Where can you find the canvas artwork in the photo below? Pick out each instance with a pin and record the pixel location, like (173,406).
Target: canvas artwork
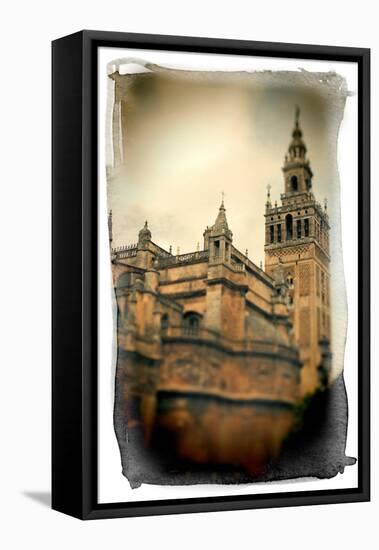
(229,303)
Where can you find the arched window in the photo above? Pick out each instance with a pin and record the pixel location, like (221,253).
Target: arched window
(298,229)
(306,227)
(191,323)
(164,322)
(294,183)
(217,248)
(271,233)
(290,281)
(289,227)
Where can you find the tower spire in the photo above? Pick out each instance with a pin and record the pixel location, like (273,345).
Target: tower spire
(297,116)
(297,171)
(221,224)
(297,148)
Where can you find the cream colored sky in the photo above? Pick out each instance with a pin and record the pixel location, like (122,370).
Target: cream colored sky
(188,138)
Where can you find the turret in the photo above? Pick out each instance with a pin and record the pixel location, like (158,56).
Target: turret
(145,253)
(219,238)
(144,236)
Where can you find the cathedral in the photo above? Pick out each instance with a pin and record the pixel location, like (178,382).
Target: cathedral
(213,351)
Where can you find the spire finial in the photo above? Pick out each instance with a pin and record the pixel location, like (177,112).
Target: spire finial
(268,201)
(145,223)
(297,115)
(222,199)
(110,225)
(325,204)
(297,148)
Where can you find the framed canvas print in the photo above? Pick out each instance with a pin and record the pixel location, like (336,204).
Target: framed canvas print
(210,275)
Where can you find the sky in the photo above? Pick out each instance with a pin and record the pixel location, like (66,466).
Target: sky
(186,140)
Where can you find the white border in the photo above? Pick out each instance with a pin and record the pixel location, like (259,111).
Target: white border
(112,485)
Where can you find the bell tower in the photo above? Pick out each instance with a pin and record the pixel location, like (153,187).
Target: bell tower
(297,236)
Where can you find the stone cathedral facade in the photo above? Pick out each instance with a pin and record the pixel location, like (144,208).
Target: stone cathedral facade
(213,351)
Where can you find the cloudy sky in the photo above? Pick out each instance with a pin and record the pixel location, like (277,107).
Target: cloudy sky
(187,139)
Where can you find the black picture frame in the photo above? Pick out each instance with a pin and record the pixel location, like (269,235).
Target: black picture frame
(74,273)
